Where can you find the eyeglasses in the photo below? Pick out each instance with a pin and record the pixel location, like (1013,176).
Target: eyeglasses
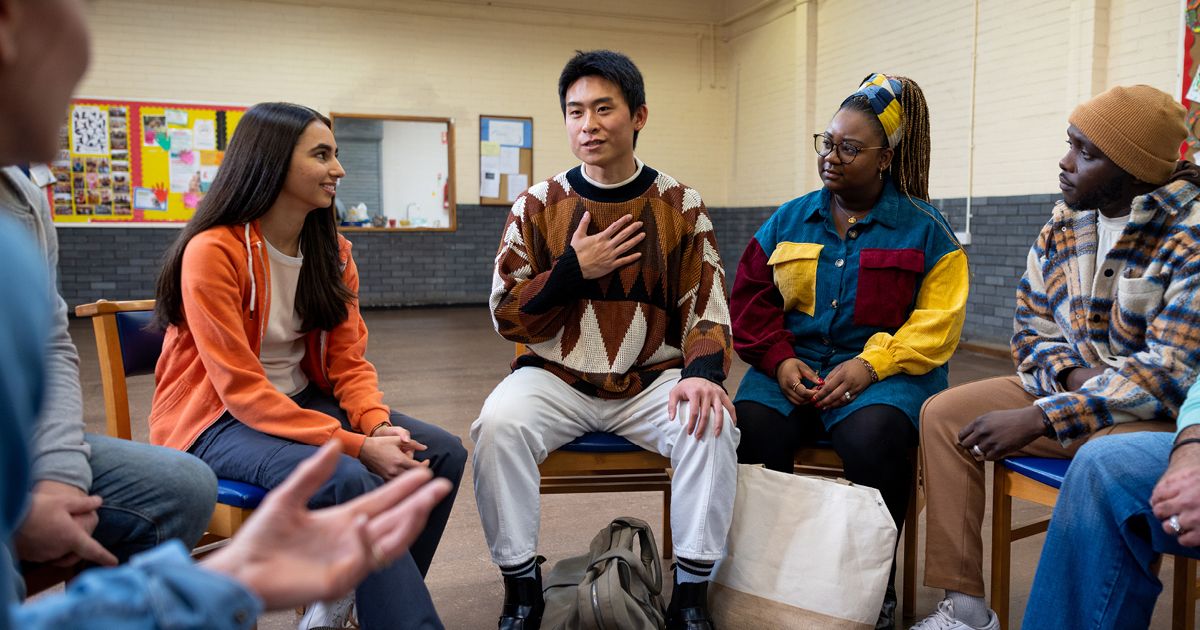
(846,151)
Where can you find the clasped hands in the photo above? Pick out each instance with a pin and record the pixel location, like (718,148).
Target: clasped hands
(389,451)
(845,382)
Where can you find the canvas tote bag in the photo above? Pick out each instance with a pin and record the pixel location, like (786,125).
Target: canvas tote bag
(803,552)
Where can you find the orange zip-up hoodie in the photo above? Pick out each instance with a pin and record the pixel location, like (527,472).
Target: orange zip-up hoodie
(210,363)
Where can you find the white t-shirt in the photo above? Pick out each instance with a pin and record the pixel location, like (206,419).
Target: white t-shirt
(283,343)
(1108,231)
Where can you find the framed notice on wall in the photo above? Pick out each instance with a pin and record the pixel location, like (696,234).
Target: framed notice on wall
(135,162)
(505,158)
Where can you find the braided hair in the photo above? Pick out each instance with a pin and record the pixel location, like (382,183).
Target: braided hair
(910,162)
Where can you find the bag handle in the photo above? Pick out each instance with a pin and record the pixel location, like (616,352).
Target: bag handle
(619,536)
(649,549)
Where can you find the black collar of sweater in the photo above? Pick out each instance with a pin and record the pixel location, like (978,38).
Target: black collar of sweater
(632,190)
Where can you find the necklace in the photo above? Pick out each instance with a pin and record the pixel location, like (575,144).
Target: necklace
(851,219)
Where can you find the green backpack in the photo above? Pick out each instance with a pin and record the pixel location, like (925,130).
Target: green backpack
(610,587)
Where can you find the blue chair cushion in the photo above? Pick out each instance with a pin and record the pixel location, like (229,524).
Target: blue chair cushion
(238,494)
(141,343)
(1041,469)
(601,443)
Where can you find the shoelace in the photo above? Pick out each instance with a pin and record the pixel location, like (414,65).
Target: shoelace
(942,618)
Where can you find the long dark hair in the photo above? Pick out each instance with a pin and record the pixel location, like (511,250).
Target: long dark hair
(250,178)
(910,164)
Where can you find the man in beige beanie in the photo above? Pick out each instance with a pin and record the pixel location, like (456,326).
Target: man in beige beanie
(1107,331)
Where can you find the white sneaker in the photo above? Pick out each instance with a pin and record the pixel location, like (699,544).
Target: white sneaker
(943,619)
(324,615)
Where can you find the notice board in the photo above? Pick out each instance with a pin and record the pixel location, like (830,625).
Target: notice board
(128,162)
(505,158)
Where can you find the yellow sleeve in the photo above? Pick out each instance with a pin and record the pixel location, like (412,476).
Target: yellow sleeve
(932,331)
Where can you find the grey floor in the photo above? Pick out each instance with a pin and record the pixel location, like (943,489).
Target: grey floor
(439,364)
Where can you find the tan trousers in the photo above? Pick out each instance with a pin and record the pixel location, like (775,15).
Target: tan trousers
(955,493)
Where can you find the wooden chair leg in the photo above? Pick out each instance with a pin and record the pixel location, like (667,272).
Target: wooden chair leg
(1183,601)
(1001,543)
(668,545)
(910,556)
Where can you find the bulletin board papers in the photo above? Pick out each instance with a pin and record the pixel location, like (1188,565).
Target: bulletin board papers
(137,162)
(505,158)
(517,184)
(505,132)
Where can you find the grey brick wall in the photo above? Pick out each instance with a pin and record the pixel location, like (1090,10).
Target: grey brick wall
(427,268)
(1002,230)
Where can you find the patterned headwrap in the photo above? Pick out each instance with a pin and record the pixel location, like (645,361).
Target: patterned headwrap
(884,93)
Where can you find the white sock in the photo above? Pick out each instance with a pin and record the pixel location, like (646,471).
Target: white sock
(526,569)
(969,609)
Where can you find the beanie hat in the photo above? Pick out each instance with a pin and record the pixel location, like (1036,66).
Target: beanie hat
(1138,127)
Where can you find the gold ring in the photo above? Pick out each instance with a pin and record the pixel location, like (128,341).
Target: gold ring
(796,385)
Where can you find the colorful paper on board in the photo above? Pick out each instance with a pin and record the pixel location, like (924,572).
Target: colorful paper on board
(177,117)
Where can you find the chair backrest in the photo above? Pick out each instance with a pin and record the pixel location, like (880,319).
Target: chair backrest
(126,345)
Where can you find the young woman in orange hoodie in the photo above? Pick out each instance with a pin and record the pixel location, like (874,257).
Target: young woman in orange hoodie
(263,359)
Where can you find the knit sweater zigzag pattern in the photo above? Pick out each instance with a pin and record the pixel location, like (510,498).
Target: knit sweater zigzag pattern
(611,336)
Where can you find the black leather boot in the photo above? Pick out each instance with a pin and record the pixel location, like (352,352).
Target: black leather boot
(689,607)
(523,603)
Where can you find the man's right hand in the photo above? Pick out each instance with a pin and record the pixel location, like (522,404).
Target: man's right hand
(390,455)
(58,528)
(792,374)
(601,253)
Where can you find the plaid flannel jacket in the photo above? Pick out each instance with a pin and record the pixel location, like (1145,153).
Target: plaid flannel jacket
(1138,314)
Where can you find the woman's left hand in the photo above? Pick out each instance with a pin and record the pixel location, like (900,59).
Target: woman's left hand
(849,377)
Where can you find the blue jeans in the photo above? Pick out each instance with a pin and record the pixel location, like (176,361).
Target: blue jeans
(151,494)
(1096,569)
(394,597)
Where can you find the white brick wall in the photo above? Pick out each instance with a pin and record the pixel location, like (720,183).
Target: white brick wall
(733,121)
(763,105)
(413,58)
(1036,60)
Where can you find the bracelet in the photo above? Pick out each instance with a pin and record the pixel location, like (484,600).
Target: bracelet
(870,368)
(1191,440)
(385,423)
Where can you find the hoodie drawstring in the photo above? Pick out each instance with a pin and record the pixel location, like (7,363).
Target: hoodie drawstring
(250,265)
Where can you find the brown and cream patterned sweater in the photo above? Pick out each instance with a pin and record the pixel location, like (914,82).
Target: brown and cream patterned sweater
(612,336)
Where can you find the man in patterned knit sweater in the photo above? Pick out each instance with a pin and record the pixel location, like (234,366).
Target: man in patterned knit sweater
(609,273)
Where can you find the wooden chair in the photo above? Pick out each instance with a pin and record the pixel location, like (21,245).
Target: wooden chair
(1038,479)
(604,462)
(821,459)
(127,346)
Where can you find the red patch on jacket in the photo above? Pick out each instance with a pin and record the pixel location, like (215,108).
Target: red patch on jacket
(887,282)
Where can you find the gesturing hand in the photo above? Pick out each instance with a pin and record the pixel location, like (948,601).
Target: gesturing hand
(792,374)
(289,555)
(601,253)
(58,527)
(703,397)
